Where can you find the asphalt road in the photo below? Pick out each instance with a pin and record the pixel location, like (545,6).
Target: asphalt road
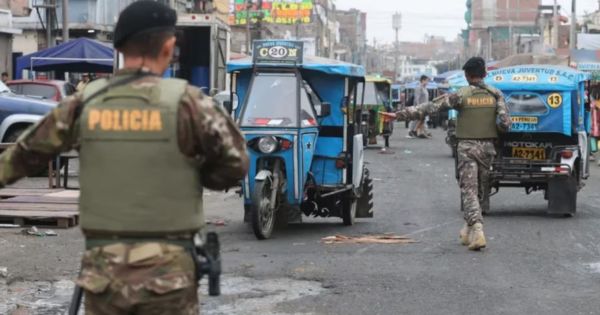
(534,263)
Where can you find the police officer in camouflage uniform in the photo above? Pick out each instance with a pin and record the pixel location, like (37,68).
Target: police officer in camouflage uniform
(147,148)
(482,115)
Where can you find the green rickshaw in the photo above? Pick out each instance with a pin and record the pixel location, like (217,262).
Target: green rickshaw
(377,102)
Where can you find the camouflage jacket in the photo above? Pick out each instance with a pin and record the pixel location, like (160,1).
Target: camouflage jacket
(205,133)
(454,101)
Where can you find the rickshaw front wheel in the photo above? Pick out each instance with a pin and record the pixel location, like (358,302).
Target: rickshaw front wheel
(349,206)
(263,217)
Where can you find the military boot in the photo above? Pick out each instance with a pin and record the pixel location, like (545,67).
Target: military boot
(477,238)
(465,234)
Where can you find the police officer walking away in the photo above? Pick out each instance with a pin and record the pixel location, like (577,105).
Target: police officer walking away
(482,114)
(147,147)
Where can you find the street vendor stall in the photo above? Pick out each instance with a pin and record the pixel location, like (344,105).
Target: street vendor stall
(78,55)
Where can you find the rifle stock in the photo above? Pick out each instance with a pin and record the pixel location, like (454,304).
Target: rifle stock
(75,300)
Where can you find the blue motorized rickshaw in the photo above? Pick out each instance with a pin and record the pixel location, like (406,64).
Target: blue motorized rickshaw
(547,148)
(306,152)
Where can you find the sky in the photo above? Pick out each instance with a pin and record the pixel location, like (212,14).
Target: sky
(428,17)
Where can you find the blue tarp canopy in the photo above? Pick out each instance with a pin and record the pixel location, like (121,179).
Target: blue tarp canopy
(440,78)
(324,65)
(78,55)
(413,85)
(529,77)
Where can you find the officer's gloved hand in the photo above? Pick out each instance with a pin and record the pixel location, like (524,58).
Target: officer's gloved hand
(453,99)
(401,115)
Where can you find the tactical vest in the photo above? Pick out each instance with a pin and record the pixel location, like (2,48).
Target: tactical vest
(477,116)
(134,179)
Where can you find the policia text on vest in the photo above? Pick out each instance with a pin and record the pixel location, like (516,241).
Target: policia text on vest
(125,120)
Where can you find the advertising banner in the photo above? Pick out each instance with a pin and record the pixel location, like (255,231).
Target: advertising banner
(272,11)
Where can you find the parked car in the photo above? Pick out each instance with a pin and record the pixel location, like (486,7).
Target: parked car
(17,113)
(54,90)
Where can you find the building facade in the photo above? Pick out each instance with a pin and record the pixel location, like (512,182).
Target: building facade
(311,21)
(8,10)
(496,25)
(353,36)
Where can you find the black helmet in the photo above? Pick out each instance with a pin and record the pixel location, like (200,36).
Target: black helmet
(141,17)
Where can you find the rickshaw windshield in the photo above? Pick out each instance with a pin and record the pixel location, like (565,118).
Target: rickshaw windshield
(376,93)
(272,101)
(383,90)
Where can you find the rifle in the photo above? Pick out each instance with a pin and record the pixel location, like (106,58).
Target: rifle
(75,300)
(211,266)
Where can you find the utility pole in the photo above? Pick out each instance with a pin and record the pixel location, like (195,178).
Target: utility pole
(50,14)
(248,35)
(65,20)
(260,16)
(573,33)
(396,24)
(556,26)
(510,28)
(298,21)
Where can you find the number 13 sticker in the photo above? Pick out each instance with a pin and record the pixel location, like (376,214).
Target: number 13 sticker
(555,100)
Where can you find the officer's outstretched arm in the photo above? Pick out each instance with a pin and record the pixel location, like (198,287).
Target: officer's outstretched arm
(54,134)
(214,140)
(419,111)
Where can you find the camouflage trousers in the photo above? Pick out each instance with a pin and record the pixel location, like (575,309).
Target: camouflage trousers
(474,161)
(142,278)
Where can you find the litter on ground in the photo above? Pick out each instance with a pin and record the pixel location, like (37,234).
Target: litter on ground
(368,239)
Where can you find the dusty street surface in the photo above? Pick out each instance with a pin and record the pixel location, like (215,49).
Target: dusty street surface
(534,264)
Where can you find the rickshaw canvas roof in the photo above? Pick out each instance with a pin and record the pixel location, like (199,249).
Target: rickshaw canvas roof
(529,77)
(324,65)
(377,79)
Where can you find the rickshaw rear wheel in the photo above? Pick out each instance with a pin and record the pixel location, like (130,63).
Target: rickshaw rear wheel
(263,218)
(349,206)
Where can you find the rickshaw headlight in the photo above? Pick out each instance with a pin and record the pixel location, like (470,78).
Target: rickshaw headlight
(267,145)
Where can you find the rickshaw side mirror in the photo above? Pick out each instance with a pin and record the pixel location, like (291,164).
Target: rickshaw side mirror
(324,110)
(228,106)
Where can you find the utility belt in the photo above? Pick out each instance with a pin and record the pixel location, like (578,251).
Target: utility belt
(206,255)
(90,243)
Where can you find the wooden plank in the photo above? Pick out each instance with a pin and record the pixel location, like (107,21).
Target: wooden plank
(40,199)
(64,194)
(50,207)
(39,219)
(13,192)
(37,214)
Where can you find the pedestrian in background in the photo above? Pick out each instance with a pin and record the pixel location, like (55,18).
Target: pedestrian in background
(421,96)
(147,147)
(85,79)
(595,113)
(4,77)
(482,113)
